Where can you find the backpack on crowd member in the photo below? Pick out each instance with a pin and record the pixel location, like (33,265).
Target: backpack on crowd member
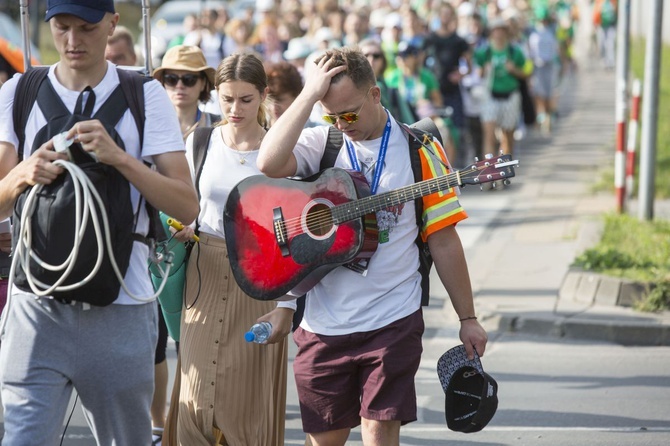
(608,14)
(527,102)
(53,228)
(416,133)
(172,297)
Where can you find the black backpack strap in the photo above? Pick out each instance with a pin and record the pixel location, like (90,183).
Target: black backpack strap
(132,84)
(427,125)
(201,138)
(425,259)
(50,103)
(24,98)
(113,109)
(333,146)
(417,132)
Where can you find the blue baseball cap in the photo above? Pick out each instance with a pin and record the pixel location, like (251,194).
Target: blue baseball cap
(91,11)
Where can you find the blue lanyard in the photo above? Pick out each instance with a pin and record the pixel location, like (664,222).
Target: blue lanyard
(380,159)
(198,115)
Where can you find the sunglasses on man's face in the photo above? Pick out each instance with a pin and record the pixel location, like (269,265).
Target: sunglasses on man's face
(189,80)
(349,117)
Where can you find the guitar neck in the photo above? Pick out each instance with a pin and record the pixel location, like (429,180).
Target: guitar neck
(373,203)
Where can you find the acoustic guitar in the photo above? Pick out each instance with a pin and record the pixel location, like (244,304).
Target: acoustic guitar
(284,235)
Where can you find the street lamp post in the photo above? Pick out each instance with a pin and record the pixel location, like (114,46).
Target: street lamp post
(650,113)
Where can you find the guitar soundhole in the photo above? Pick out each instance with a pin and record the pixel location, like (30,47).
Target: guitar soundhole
(319,220)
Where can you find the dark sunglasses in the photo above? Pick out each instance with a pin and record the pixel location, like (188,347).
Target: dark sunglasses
(375,55)
(349,117)
(189,80)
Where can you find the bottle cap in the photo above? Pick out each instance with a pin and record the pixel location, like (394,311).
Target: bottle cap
(249,336)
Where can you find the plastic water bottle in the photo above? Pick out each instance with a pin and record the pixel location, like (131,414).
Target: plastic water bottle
(259,333)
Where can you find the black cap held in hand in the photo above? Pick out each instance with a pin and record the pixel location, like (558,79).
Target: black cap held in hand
(471,395)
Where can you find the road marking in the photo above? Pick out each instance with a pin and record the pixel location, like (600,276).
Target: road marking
(428,428)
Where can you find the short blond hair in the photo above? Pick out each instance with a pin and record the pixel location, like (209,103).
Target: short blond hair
(122,34)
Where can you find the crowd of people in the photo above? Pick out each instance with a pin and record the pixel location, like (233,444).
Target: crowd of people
(428,50)
(261,94)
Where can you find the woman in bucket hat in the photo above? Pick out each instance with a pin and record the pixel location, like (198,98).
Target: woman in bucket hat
(188,81)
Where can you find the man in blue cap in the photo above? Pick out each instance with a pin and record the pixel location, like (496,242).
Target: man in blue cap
(52,345)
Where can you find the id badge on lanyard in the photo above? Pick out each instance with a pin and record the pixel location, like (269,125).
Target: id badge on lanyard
(361,265)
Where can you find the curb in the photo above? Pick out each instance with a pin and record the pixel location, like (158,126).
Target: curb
(590,288)
(626,329)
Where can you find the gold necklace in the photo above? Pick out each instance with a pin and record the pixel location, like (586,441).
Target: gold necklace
(243,154)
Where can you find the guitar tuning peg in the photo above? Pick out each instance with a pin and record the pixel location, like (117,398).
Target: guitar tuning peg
(476,159)
(488,156)
(507,182)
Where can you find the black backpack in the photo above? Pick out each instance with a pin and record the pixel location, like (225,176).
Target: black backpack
(53,227)
(416,132)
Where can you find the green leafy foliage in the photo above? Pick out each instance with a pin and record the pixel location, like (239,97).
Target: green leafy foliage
(635,250)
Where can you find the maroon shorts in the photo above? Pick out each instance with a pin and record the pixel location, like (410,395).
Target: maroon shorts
(371,375)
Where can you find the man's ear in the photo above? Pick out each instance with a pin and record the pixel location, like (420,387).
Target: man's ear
(113,22)
(376,94)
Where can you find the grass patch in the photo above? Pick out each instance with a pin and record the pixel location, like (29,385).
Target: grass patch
(635,250)
(630,248)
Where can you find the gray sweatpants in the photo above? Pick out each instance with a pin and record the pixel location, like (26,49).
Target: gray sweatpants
(105,353)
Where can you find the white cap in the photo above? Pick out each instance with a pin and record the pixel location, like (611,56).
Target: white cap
(265,5)
(466,9)
(298,48)
(323,34)
(393,20)
(378,18)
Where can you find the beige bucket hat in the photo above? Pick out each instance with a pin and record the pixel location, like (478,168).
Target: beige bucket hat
(187,58)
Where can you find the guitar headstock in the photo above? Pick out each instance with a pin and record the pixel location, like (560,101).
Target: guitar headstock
(493,168)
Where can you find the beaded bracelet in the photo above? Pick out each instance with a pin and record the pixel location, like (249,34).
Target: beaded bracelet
(468,318)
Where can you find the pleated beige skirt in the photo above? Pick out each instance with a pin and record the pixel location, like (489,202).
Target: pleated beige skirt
(224,383)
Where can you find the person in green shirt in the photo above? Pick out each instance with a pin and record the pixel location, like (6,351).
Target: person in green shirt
(418,86)
(501,66)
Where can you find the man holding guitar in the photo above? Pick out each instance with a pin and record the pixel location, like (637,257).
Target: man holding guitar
(359,344)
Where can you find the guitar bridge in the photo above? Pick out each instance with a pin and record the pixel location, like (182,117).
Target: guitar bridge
(280,231)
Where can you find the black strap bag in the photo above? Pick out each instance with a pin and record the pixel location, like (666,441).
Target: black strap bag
(54,228)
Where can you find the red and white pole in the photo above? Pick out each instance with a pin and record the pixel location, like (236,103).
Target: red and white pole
(620,158)
(633,125)
(621,95)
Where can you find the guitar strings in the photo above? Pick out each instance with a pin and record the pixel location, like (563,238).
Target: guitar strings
(321,220)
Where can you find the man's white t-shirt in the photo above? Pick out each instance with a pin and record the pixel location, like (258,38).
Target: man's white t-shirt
(345,301)
(161,135)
